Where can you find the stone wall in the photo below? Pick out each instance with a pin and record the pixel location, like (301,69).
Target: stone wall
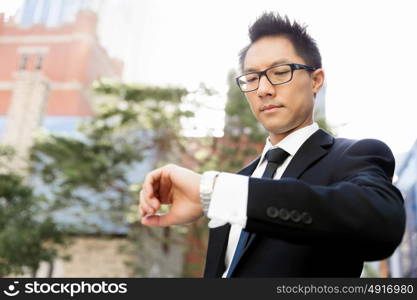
(112,256)
(92,257)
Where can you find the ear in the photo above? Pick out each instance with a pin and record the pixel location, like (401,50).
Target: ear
(318,80)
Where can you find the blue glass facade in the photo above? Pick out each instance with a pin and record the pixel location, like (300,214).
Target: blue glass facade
(404,261)
(52,12)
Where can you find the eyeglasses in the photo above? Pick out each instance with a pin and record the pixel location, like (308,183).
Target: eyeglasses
(276,75)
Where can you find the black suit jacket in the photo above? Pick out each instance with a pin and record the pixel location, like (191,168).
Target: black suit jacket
(334,208)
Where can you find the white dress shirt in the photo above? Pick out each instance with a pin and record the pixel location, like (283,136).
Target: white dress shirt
(230,194)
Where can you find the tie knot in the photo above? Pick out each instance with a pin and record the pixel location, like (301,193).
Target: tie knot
(276,155)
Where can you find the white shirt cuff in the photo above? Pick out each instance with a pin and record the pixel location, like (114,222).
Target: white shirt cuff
(229,200)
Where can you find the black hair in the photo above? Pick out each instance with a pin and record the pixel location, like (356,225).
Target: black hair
(270,24)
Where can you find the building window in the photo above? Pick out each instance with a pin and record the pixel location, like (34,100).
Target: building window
(23,62)
(39,61)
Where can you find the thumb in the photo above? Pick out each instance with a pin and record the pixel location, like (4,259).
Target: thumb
(159,220)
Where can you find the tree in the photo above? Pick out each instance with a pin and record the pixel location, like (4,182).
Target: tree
(142,123)
(27,235)
(243,135)
(136,128)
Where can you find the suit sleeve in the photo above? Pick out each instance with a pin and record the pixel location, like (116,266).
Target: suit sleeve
(360,209)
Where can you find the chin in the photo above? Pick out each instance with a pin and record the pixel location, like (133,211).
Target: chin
(277,128)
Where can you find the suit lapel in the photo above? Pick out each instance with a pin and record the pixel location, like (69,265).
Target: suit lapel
(218,237)
(313,149)
(216,251)
(250,168)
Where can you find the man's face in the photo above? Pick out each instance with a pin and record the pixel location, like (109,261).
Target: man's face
(293,101)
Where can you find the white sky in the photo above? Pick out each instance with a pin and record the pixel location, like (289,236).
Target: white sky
(369,51)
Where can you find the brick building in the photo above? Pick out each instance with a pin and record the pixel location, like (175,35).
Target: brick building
(47,72)
(70,58)
(45,81)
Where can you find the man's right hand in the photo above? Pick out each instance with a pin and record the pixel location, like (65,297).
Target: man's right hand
(173,185)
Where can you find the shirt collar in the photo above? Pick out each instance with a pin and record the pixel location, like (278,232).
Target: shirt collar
(292,142)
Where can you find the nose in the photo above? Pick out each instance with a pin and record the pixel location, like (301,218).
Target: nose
(265,88)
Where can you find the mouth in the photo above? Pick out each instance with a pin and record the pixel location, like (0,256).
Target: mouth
(270,108)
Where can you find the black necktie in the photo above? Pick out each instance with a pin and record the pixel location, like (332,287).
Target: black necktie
(275,158)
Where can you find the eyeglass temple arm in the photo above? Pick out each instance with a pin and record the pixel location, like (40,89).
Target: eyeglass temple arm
(301,67)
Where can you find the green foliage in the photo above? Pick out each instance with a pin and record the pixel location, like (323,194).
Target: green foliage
(27,235)
(67,165)
(324,125)
(240,119)
(139,93)
(115,140)
(242,134)
(99,172)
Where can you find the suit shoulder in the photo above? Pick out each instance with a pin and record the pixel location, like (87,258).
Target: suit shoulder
(374,146)
(369,152)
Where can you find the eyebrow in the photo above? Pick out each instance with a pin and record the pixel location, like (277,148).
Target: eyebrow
(275,63)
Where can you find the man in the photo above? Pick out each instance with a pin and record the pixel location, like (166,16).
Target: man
(311,205)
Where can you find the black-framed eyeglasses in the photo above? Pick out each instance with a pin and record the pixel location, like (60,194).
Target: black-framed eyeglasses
(276,75)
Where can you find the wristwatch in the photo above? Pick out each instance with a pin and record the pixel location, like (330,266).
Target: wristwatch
(206,188)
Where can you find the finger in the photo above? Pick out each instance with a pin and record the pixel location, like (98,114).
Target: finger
(147,209)
(151,201)
(151,183)
(165,188)
(141,212)
(154,203)
(145,204)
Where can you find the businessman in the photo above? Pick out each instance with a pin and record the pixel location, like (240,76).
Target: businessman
(310,205)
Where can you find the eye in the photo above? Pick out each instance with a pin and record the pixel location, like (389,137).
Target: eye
(251,78)
(279,73)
